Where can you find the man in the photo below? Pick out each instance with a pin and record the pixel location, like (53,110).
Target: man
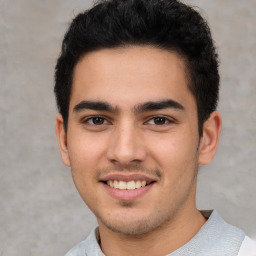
(137,89)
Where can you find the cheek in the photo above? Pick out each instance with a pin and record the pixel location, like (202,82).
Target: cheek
(177,158)
(83,159)
(84,156)
(173,149)
(85,150)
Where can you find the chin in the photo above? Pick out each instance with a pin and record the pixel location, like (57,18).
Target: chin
(133,227)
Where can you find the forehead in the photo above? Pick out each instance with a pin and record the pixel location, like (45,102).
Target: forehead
(130,75)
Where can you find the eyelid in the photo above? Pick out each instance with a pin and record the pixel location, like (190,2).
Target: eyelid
(107,120)
(168,119)
(88,118)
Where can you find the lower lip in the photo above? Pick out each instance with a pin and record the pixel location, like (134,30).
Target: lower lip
(126,194)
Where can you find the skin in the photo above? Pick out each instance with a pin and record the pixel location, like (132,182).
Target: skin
(128,138)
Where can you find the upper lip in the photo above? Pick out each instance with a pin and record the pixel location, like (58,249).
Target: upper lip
(128,177)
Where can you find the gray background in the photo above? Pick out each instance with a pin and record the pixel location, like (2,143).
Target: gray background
(41,213)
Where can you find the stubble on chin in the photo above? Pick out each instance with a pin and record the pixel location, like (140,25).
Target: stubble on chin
(126,204)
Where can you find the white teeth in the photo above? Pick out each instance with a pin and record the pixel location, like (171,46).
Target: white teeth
(116,184)
(111,183)
(143,183)
(138,184)
(130,185)
(122,184)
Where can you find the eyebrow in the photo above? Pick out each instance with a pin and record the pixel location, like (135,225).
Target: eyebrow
(144,107)
(158,105)
(94,105)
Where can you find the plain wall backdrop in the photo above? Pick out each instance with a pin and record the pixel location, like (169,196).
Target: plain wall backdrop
(41,212)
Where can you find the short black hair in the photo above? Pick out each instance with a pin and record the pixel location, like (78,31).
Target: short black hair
(166,24)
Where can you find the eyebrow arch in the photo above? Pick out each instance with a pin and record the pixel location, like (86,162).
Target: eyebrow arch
(94,105)
(158,105)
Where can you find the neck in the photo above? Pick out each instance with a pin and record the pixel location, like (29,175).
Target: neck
(162,241)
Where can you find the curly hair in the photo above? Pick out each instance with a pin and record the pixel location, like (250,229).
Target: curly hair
(166,24)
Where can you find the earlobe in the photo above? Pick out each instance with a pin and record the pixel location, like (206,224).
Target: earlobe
(62,139)
(210,138)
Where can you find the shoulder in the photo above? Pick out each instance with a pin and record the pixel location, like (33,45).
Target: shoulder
(248,247)
(87,247)
(215,238)
(229,239)
(77,250)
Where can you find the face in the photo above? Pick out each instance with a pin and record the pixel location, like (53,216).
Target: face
(132,140)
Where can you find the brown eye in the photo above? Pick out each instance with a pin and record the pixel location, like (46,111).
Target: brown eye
(98,120)
(159,120)
(95,121)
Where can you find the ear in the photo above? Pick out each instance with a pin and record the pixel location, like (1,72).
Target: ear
(62,139)
(210,138)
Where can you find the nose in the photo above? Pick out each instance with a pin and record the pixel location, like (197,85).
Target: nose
(126,146)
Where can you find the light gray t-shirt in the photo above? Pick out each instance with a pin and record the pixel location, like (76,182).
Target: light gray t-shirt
(215,238)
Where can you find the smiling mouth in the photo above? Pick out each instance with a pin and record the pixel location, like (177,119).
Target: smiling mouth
(127,187)
(130,185)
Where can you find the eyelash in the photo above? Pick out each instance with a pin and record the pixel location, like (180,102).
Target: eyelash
(164,119)
(161,118)
(92,118)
